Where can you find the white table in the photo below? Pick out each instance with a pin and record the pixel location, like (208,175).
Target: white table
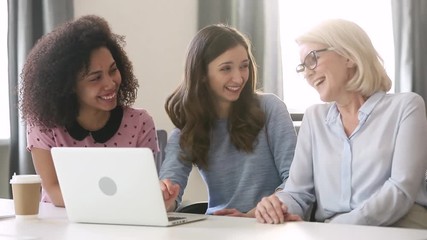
(52,223)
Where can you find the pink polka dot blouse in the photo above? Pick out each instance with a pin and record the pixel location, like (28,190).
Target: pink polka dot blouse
(127,127)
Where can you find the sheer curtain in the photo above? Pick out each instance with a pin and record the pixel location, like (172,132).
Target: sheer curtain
(28,21)
(410,34)
(258,19)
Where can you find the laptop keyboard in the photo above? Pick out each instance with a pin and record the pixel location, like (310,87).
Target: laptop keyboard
(175,218)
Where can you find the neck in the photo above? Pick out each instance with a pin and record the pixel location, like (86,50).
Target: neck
(223,109)
(93,121)
(349,111)
(351,104)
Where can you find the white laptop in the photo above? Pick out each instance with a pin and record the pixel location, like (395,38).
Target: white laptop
(113,186)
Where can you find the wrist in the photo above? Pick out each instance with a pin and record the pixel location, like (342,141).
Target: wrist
(251,213)
(172,207)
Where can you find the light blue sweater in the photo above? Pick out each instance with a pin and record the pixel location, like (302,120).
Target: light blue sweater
(236,179)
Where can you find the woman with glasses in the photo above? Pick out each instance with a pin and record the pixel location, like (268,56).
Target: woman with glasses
(242,141)
(361,157)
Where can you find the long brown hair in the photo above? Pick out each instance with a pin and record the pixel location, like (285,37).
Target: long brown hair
(190,106)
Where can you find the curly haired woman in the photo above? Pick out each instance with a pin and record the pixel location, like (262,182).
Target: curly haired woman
(76,91)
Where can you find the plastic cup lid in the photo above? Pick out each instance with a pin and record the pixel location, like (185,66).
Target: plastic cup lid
(27,178)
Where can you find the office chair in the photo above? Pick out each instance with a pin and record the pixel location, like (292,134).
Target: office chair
(162,138)
(296,119)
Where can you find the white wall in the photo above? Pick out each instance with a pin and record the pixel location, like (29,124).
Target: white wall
(157,35)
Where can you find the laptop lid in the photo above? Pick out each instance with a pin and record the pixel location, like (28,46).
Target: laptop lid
(112,186)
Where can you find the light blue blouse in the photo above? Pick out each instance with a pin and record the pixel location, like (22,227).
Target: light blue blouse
(372,177)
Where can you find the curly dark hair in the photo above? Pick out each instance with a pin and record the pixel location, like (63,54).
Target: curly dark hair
(190,106)
(49,77)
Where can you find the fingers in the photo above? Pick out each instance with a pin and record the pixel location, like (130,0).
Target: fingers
(169,189)
(170,193)
(169,185)
(163,187)
(174,191)
(292,217)
(270,210)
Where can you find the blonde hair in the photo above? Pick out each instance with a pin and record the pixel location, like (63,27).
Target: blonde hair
(351,41)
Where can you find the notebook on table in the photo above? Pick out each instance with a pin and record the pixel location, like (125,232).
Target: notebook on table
(113,186)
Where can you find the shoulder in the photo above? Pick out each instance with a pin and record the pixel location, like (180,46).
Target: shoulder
(138,118)
(275,110)
(320,107)
(174,137)
(266,98)
(318,110)
(407,98)
(270,102)
(403,103)
(138,113)
(38,130)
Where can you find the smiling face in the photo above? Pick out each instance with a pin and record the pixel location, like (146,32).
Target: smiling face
(97,90)
(331,75)
(227,75)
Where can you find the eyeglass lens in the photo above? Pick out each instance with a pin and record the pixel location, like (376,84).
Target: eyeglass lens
(310,60)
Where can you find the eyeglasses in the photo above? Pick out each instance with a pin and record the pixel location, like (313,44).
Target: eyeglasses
(310,61)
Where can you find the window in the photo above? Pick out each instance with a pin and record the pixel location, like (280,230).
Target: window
(4,83)
(296,16)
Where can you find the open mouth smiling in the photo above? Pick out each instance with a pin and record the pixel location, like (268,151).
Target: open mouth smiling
(318,81)
(108,97)
(233,88)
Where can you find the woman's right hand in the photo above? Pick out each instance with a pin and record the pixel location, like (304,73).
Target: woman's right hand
(271,210)
(170,192)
